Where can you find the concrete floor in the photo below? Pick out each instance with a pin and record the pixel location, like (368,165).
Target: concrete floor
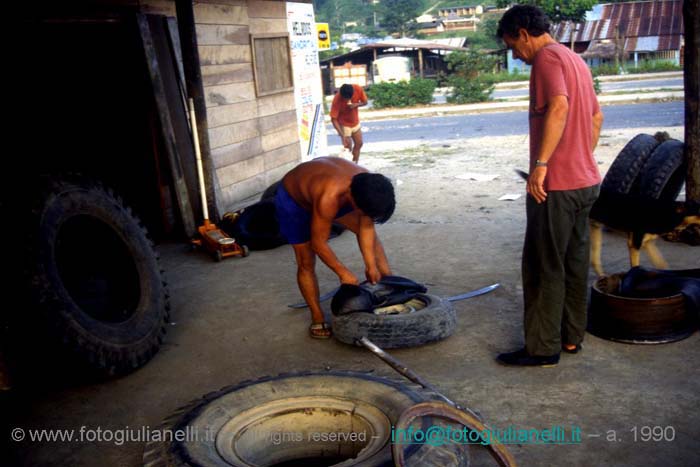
(231,323)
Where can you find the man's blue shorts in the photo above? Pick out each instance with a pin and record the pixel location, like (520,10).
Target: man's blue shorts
(295,221)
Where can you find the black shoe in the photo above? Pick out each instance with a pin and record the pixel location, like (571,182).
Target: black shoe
(576,349)
(522,358)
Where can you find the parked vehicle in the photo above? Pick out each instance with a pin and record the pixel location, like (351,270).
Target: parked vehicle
(391,69)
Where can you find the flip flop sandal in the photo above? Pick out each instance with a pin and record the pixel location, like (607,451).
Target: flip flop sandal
(576,349)
(320,331)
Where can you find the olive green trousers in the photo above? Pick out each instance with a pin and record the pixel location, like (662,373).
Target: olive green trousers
(555,269)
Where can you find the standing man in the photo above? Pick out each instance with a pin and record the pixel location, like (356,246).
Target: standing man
(565,121)
(346,118)
(310,198)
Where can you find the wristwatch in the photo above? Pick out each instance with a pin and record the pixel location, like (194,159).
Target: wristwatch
(540,164)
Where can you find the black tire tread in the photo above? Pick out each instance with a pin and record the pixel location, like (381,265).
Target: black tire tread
(664,173)
(103,360)
(626,167)
(435,322)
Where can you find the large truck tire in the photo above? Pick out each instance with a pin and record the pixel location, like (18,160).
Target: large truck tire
(665,171)
(97,286)
(310,418)
(626,167)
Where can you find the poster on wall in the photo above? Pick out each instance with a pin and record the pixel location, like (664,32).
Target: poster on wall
(308,90)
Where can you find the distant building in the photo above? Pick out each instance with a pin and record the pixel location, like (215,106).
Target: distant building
(351,36)
(635,31)
(459,23)
(427,60)
(430,27)
(458,18)
(461,11)
(425,19)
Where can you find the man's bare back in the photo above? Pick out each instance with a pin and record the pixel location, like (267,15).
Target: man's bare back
(324,180)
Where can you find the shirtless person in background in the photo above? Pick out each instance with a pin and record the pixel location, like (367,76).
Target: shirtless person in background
(310,198)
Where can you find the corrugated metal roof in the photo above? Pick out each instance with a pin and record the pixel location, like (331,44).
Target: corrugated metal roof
(645,44)
(600,49)
(451,41)
(406,43)
(662,19)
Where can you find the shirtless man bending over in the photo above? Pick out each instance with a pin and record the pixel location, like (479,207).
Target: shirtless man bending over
(310,198)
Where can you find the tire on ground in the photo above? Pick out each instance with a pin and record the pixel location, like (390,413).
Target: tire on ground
(626,167)
(95,278)
(233,426)
(665,172)
(434,322)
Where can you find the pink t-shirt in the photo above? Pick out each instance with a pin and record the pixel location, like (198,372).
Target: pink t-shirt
(556,71)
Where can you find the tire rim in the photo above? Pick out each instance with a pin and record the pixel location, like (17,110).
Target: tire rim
(410,306)
(289,433)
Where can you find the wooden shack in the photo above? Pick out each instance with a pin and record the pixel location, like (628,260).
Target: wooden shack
(116,74)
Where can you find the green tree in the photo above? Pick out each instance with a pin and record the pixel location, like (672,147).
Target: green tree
(470,80)
(485,35)
(338,12)
(470,64)
(558,10)
(399,15)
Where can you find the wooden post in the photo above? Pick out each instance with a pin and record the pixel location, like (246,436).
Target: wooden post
(195,90)
(618,53)
(420,62)
(691,17)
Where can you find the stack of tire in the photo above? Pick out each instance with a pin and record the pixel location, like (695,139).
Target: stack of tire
(648,166)
(651,167)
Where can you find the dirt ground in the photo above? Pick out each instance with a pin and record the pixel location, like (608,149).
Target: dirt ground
(231,323)
(430,177)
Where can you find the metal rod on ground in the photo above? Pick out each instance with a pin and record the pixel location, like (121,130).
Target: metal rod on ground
(405,371)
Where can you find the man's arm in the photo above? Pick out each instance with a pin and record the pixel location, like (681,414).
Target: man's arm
(597,125)
(357,104)
(335,113)
(322,216)
(339,128)
(366,239)
(361,100)
(554,124)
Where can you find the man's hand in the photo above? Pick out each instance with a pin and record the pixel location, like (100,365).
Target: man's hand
(373,275)
(347,142)
(535,184)
(348,278)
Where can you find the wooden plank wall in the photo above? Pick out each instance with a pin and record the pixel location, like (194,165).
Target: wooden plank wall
(254,141)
